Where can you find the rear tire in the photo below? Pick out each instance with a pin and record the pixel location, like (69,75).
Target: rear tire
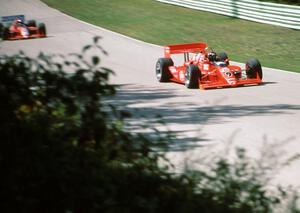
(31,23)
(5,34)
(42,29)
(223,57)
(253,68)
(192,77)
(162,69)
(1,30)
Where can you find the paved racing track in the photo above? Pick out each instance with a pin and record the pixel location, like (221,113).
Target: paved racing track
(250,115)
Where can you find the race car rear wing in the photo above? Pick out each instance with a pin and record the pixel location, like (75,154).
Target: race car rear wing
(7,19)
(184,48)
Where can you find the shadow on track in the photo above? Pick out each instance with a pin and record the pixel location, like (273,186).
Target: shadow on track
(156,107)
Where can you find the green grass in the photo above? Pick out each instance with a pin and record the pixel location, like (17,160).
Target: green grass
(163,24)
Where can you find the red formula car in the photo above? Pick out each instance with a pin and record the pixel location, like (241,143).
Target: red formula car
(19,29)
(203,68)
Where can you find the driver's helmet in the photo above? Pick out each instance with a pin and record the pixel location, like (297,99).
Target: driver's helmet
(18,22)
(212,56)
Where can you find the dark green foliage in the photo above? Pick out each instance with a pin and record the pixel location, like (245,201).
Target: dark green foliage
(62,150)
(292,2)
(234,187)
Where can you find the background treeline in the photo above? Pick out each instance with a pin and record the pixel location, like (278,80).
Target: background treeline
(292,2)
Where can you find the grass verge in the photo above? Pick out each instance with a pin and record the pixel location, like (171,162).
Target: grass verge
(163,24)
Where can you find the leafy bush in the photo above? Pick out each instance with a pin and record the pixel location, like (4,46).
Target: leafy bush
(63,151)
(234,186)
(59,148)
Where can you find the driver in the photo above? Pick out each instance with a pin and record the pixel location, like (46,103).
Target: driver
(212,56)
(16,23)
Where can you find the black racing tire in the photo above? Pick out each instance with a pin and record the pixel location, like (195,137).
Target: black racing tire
(31,23)
(42,29)
(162,71)
(223,57)
(5,33)
(1,29)
(253,68)
(192,76)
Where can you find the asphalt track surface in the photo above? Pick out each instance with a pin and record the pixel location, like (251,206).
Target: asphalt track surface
(248,116)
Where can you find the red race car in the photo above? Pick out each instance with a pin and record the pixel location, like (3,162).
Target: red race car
(203,68)
(19,29)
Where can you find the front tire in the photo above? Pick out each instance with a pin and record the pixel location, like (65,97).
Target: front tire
(162,69)
(253,68)
(31,23)
(192,76)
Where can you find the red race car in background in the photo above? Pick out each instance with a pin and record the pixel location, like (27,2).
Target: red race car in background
(205,69)
(15,27)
